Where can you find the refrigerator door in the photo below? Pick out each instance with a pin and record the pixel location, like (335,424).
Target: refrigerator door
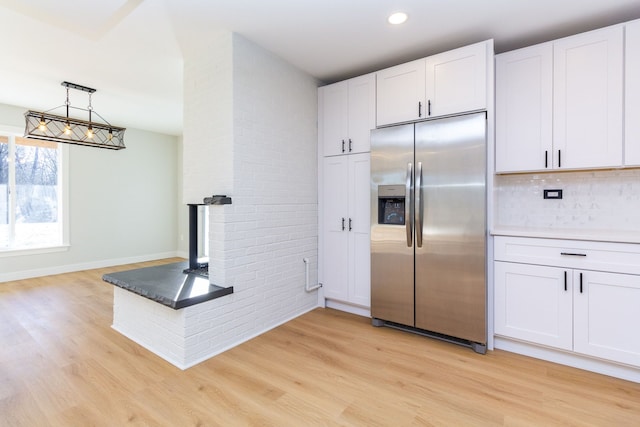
(392,232)
(450,253)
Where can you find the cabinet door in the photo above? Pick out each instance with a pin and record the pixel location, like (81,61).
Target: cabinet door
(587,129)
(456,81)
(359,230)
(335,216)
(400,93)
(334,118)
(632,94)
(531,304)
(607,315)
(524,109)
(362,112)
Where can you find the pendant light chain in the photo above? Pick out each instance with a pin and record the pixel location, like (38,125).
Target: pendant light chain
(90,128)
(67,126)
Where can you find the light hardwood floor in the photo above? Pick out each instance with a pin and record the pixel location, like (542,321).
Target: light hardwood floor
(62,365)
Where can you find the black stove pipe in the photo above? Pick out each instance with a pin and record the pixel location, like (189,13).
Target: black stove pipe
(193,237)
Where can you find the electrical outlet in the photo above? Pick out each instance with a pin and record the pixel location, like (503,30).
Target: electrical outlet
(552,194)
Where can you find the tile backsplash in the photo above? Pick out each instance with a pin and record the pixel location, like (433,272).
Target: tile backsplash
(606,200)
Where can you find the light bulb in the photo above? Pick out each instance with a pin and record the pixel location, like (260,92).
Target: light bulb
(110,136)
(67,129)
(43,125)
(90,132)
(397,18)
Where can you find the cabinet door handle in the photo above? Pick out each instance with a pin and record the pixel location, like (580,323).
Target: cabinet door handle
(565,280)
(429,107)
(350,145)
(342,224)
(559,158)
(343,145)
(419,109)
(580,282)
(350,228)
(572,254)
(546,159)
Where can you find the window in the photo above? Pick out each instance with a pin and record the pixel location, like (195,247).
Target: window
(31,194)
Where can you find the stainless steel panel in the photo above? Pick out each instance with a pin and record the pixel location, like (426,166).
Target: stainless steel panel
(392,283)
(450,286)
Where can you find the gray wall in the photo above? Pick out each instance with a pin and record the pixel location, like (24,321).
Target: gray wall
(123,205)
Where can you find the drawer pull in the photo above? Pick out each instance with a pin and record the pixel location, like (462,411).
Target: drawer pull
(572,254)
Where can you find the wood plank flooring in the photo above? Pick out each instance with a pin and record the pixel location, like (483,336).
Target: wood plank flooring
(61,364)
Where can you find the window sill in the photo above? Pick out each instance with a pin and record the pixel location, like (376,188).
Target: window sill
(33,251)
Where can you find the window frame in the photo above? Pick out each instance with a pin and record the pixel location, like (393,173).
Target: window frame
(63,207)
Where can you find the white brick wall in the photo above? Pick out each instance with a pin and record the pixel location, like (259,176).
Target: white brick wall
(265,159)
(150,324)
(208,119)
(250,132)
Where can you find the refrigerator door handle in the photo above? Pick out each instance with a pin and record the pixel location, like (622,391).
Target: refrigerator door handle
(419,208)
(408,205)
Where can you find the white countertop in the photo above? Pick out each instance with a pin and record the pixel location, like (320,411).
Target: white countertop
(592,235)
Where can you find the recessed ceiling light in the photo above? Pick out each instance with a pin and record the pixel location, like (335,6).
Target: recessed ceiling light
(397,18)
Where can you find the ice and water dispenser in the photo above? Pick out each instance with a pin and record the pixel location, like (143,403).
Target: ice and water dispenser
(391,199)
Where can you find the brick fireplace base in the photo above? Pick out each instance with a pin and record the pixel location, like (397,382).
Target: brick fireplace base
(182,337)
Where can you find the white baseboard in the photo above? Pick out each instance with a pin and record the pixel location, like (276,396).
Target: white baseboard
(569,359)
(349,308)
(70,268)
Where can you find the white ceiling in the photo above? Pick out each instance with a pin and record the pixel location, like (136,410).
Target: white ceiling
(130,50)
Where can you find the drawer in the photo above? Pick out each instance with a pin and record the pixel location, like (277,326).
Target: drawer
(577,254)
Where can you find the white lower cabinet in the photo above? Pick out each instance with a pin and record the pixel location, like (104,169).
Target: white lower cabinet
(531,304)
(569,295)
(346,229)
(606,311)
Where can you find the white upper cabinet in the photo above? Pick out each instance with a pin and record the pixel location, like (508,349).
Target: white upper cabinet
(456,81)
(348,113)
(448,83)
(559,105)
(400,93)
(362,112)
(588,99)
(334,109)
(524,106)
(632,94)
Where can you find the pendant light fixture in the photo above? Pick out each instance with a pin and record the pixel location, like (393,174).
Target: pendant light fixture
(51,127)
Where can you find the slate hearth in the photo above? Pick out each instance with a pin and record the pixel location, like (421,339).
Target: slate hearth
(168,284)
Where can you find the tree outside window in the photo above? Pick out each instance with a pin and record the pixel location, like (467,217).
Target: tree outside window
(30,214)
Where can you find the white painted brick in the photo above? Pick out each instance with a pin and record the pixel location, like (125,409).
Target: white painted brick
(260,147)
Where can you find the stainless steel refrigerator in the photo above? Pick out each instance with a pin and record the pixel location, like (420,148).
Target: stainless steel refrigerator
(428,228)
